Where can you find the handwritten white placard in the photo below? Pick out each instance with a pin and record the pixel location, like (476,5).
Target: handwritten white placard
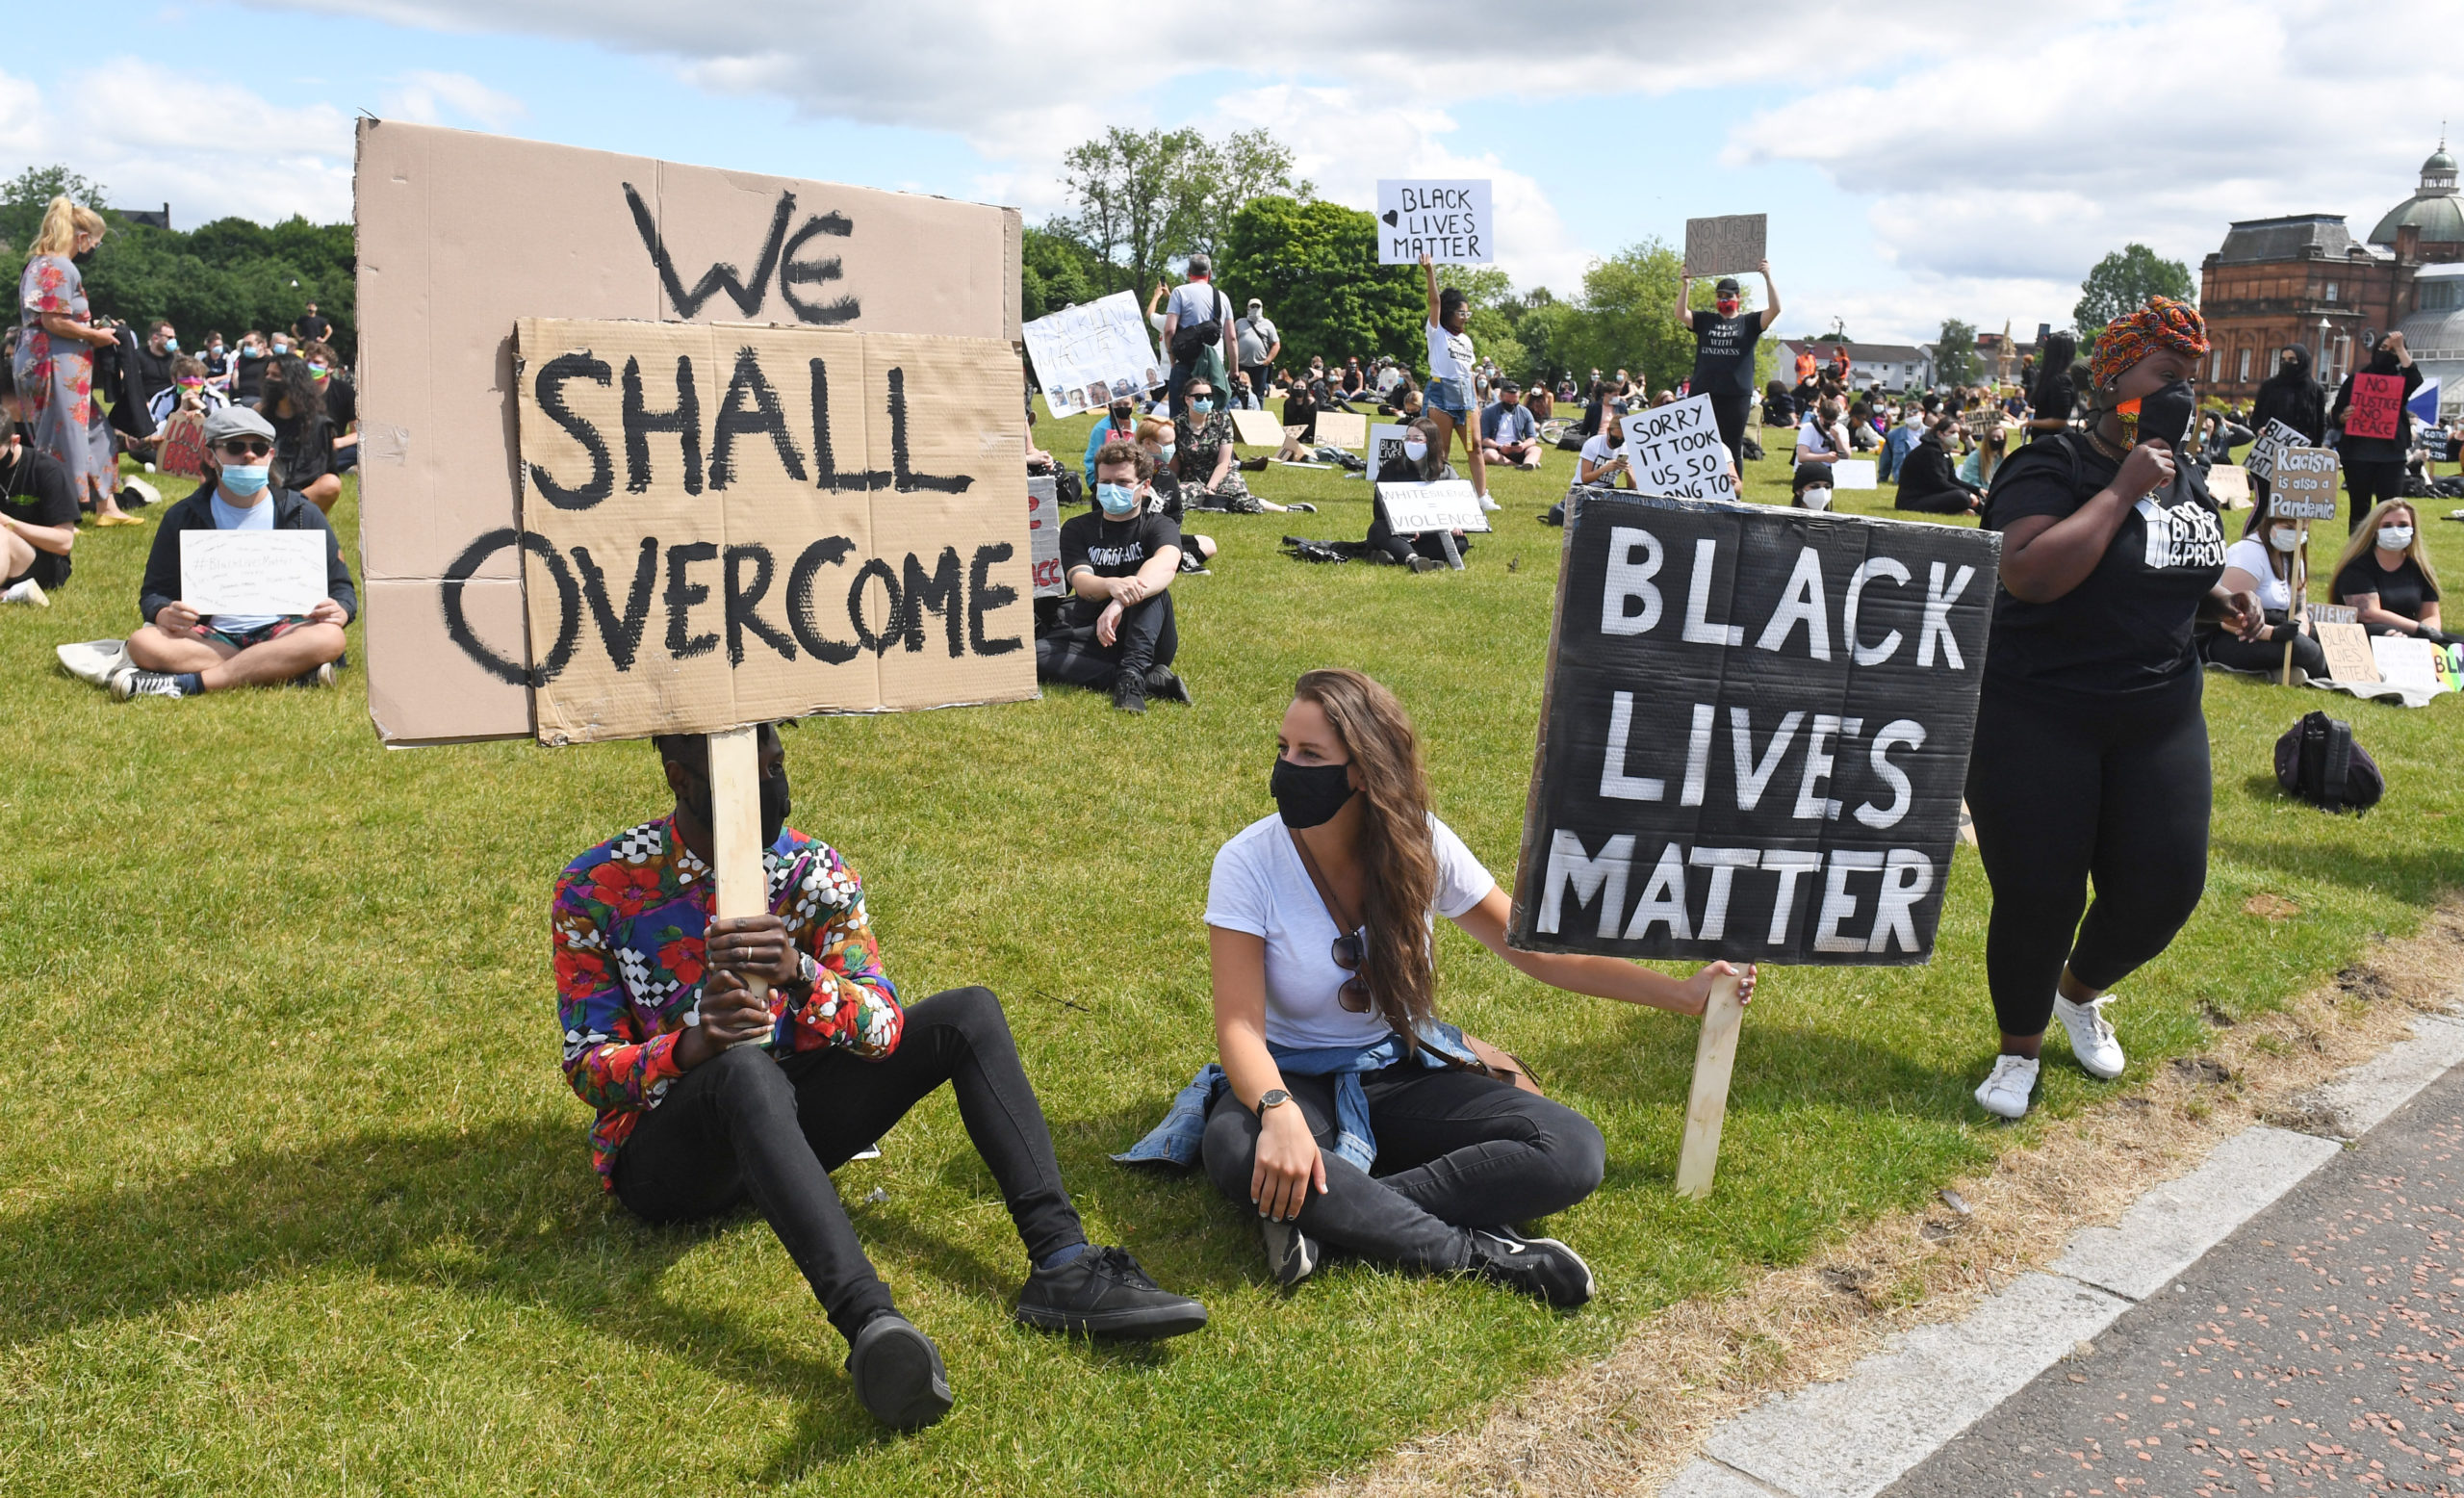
(1447,220)
(252,572)
(1445,505)
(1676,452)
(1854,473)
(1092,354)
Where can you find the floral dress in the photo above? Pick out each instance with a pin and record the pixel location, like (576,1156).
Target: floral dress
(56,376)
(1197,441)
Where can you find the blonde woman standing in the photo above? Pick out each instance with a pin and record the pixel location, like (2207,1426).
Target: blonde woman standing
(55,362)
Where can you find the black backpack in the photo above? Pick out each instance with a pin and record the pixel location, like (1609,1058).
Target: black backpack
(2318,760)
(1190,343)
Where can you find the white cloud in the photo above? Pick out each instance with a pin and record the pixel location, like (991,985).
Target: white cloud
(432,98)
(154,134)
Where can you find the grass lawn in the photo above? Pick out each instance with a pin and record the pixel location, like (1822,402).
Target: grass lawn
(294,1198)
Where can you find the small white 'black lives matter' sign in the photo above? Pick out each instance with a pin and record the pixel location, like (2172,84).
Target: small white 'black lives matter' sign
(1754,733)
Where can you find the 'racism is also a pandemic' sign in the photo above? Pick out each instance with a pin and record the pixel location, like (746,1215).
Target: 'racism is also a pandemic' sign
(649,448)
(1754,733)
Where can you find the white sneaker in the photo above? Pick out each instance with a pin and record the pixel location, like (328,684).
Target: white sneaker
(2005,1093)
(1488,504)
(2091,1035)
(27,593)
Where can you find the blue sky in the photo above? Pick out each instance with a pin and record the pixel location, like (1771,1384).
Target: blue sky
(1962,161)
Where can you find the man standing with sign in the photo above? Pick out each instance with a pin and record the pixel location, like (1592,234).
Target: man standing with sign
(2091,749)
(1724,343)
(749,1057)
(2370,407)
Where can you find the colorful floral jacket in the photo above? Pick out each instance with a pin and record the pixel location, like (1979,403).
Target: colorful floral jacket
(627,925)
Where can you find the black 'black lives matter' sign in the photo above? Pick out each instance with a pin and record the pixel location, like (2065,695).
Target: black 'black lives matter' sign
(1754,733)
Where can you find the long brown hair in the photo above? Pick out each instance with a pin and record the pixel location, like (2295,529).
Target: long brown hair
(1398,858)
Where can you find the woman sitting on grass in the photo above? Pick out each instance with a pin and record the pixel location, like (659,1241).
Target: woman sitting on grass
(1202,458)
(2261,564)
(1353,1118)
(2384,576)
(1928,481)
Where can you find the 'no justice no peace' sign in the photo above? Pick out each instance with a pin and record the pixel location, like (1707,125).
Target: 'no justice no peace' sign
(1447,220)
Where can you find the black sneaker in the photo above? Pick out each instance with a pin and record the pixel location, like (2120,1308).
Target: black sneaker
(1129,691)
(1542,1268)
(1166,682)
(1102,1292)
(898,1373)
(1421,563)
(1291,1256)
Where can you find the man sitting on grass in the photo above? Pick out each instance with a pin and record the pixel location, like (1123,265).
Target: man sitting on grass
(708,1094)
(1507,432)
(1118,560)
(179,653)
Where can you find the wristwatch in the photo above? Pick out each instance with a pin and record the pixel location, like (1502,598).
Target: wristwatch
(1271,1098)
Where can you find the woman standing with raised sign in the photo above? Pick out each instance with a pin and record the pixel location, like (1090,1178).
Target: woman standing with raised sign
(1448,397)
(2090,754)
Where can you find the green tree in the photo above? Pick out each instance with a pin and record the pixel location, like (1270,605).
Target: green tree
(2122,282)
(1055,272)
(1955,353)
(1144,198)
(1623,320)
(1315,265)
(24,196)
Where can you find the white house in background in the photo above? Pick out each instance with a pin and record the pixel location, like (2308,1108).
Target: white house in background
(1898,365)
(2434,330)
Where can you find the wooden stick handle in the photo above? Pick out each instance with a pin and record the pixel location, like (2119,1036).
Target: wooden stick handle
(1707,1108)
(735,832)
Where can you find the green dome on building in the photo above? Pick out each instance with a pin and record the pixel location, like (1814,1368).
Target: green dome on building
(2435,209)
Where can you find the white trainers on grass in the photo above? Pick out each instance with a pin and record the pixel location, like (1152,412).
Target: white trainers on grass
(2005,1093)
(27,593)
(2091,1035)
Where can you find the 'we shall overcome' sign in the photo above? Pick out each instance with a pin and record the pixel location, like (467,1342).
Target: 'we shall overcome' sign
(1754,733)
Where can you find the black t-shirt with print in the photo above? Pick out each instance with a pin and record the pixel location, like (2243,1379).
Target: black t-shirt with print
(35,492)
(1724,352)
(2402,591)
(2127,627)
(1113,548)
(341,403)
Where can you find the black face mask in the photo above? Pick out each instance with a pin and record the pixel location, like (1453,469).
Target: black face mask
(774,805)
(2167,412)
(82,259)
(1309,795)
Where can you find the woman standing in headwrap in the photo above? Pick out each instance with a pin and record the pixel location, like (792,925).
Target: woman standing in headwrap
(2291,396)
(2091,753)
(55,360)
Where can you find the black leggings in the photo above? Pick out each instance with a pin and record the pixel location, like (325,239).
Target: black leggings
(2267,656)
(746,1123)
(1729,413)
(2369,481)
(1147,638)
(2064,786)
(1455,1150)
(1401,548)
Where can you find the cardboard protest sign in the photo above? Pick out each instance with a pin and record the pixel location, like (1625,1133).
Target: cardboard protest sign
(2274,438)
(1447,220)
(1386,452)
(461,235)
(2346,646)
(183,449)
(1443,504)
(1044,536)
(1102,345)
(1727,244)
(1257,428)
(2229,486)
(819,521)
(1754,734)
(2378,408)
(2333,613)
(252,572)
(1856,472)
(2408,660)
(2304,488)
(1346,430)
(1674,451)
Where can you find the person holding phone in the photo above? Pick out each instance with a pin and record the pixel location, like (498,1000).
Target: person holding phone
(1604,458)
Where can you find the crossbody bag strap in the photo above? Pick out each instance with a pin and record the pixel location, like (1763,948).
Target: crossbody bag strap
(1343,923)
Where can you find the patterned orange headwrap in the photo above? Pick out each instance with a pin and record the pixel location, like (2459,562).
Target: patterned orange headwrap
(2162,324)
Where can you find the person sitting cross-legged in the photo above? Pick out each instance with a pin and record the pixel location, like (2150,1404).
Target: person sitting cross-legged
(179,653)
(38,509)
(1118,561)
(1507,432)
(664,1036)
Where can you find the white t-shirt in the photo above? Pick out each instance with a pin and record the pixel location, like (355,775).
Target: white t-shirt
(1449,355)
(2251,554)
(1812,438)
(1596,449)
(1261,887)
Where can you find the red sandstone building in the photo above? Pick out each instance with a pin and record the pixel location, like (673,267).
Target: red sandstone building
(2303,280)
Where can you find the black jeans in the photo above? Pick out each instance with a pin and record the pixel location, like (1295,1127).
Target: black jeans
(2369,481)
(2064,786)
(1454,1150)
(1729,413)
(746,1123)
(1147,638)
(1941,501)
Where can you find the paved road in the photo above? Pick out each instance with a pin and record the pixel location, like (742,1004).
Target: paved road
(2315,1351)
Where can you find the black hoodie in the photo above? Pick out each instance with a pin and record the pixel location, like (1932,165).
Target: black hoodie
(2353,448)
(2291,397)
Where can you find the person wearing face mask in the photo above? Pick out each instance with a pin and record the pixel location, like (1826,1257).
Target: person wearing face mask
(58,341)
(1341,1110)
(2091,750)
(179,653)
(1447,397)
(216,358)
(1603,458)
(1120,425)
(1203,457)
(304,434)
(341,403)
(37,511)
(709,1093)
(1724,343)
(189,390)
(1423,462)
(1810,487)
(2261,564)
(1118,561)
(2373,467)
(153,367)
(249,367)
(2384,576)
(1258,343)
(1929,481)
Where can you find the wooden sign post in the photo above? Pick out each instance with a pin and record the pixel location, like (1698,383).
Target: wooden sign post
(2301,591)
(1707,1107)
(736,834)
